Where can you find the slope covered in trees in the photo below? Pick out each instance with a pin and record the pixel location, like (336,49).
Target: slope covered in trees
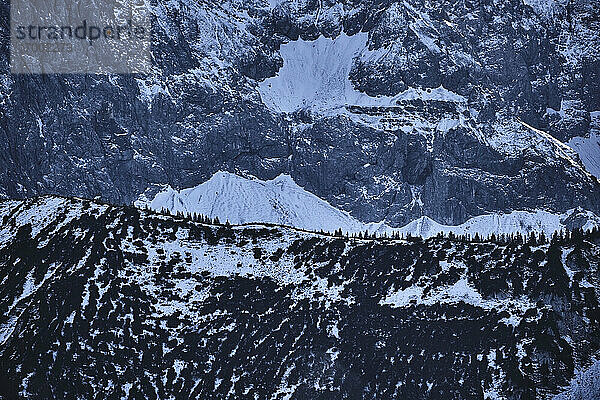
(110,302)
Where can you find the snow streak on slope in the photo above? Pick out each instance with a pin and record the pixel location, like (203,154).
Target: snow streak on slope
(315,75)
(281,201)
(589,152)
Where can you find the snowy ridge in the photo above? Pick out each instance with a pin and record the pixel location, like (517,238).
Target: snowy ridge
(240,201)
(172,287)
(281,201)
(516,221)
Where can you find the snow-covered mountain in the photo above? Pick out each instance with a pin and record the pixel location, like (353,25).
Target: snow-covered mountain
(524,222)
(240,201)
(387,109)
(463,116)
(281,201)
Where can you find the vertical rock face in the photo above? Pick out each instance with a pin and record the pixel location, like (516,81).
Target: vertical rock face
(445,109)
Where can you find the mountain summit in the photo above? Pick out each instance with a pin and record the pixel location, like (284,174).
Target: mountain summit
(239,200)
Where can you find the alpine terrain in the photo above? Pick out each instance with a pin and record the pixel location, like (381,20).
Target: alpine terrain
(389,110)
(110,302)
(307,199)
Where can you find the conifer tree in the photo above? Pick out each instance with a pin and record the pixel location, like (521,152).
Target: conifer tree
(542,238)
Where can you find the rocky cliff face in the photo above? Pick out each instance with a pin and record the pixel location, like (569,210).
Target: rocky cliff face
(100,301)
(462,110)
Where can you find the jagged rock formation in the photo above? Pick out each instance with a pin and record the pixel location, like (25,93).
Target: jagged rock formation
(508,67)
(101,301)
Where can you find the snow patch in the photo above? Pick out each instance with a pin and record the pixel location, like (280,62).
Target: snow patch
(585,385)
(315,76)
(462,291)
(545,8)
(589,152)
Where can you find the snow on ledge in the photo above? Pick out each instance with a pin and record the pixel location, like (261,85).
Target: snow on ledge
(462,291)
